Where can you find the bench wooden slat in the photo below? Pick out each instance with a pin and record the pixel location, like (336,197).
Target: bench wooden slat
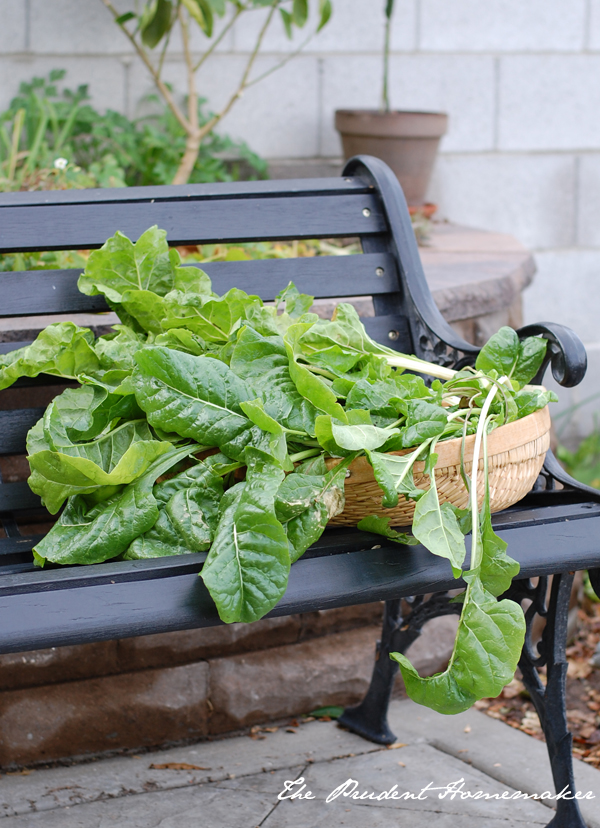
(18,497)
(144,597)
(235,189)
(18,546)
(14,425)
(76,226)
(35,292)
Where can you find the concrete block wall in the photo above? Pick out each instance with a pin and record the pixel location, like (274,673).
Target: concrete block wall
(520,81)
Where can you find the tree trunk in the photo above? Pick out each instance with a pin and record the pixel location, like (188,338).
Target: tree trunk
(192,148)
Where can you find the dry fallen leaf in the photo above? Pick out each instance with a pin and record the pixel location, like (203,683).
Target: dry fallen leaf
(397,745)
(579,669)
(177,766)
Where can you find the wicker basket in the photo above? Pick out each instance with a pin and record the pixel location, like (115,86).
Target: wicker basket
(516,454)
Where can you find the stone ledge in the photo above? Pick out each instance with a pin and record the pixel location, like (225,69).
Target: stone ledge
(126,655)
(81,717)
(148,708)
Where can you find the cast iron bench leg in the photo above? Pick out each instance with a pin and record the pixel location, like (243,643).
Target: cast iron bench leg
(550,700)
(369,718)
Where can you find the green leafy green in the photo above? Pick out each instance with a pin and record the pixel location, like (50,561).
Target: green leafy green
(87,534)
(486,652)
(220,424)
(509,357)
(381,526)
(187,518)
(435,525)
(61,349)
(247,567)
(306,502)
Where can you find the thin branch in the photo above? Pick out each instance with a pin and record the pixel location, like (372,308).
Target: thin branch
(163,88)
(161,60)
(216,42)
(244,80)
(192,101)
(282,62)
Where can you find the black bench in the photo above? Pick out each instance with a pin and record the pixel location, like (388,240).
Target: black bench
(552,532)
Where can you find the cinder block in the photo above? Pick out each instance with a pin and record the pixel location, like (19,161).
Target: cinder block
(593,39)
(277,117)
(325,671)
(577,412)
(566,289)
(67,27)
(549,102)
(57,664)
(170,649)
(588,211)
(12,30)
(502,25)
(133,710)
(354,27)
(532,197)
(461,86)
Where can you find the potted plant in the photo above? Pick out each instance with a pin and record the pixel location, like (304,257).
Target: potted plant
(406,141)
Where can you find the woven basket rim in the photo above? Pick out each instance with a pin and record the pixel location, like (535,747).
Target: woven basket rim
(504,438)
(500,440)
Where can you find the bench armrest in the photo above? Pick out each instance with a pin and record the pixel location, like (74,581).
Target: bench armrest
(566,353)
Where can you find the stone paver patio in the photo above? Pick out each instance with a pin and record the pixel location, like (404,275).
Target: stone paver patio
(236,782)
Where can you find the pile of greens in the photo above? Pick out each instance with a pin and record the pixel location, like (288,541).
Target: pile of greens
(208,423)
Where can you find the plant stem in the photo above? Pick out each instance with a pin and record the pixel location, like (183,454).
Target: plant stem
(385,98)
(482,424)
(218,39)
(161,85)
(321,371)
(16,137)
(194,136)
(420,366)
(304,455)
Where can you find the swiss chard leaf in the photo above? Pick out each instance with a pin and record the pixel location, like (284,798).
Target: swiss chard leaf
(121,265)
(485,656)
(197,397)
(188,514)
(394,474)
(381,526)
(528,401)
(507,356)
(311,387)
(263,362)
(87,534)
(435,526)
(423,421)
(306,502)
(217,318)
(359,434)
(247,568)
(115,459)
(61,349)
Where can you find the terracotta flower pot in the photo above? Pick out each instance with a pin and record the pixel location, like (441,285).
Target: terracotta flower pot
(406,141)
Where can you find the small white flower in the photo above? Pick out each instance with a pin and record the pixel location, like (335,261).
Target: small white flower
(61,163)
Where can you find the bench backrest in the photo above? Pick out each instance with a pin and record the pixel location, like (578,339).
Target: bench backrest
(365,202)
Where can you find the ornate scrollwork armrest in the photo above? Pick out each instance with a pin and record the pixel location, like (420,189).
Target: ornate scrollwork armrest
(565,353)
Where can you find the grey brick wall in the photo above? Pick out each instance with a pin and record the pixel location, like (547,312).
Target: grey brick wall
(520,81)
